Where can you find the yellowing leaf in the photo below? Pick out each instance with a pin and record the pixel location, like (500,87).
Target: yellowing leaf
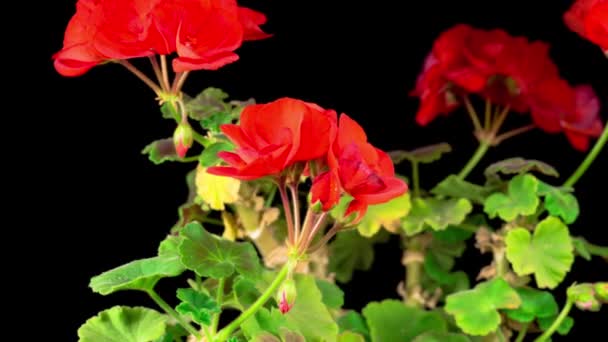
(216,190)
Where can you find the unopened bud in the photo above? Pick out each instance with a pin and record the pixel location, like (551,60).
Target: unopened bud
(584,298)
(182,139)
(601,292)
(286,296)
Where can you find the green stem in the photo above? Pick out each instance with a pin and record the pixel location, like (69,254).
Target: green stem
(169,310)
(270,197)
(500,335)
(219,298)
(199,138)
(593,249)
(589,159)
(487,122)
(522,332)
(413,271)
(558,321)
(479,153)
(225,333)
(416,179)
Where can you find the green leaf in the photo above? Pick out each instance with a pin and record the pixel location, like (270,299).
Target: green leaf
(206,103)
(291,336)
(213,122)
(391,320)
(173,333)
(209,155)
(433,269)
(385,215)
(455,187)
(520,166)
(520,200)
(141,274)
(559,202)
(564,327)
(476,310)
(548,254)
(211,256)
(433,336)
(245,292)
(309,315)
(534,304)
(123,324)
(196,304)
(353,321)
(349,336)
(333,296)
(268,321)
(265,337)
(453,234)
(580,247)
(349,252)
(160,151)
(424,155)
(435,213)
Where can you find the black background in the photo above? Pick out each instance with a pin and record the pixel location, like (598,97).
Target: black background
(107,204)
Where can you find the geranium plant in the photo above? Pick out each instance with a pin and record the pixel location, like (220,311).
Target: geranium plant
(287,199)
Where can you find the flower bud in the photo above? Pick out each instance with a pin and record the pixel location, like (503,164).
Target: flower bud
(584,298)
(182,139)
(286,296)
(601,291)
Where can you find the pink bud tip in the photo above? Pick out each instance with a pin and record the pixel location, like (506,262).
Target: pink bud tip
(284,305)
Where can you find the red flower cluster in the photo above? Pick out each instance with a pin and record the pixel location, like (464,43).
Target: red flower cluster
(508,71)
(204,33)
(589,18)
(275,136)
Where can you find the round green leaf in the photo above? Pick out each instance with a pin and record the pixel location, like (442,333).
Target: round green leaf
(211,256)
(476,310)
(333,296)
(521,199)
(438,214)
(309,315)
(534,304)
(559,202)
(454,186)
(141,274)
(123,324)
(349,252)
(433,336)
(548,254)
(349,336)
(391,320)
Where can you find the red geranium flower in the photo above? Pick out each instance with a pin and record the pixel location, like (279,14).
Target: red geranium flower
(79,53)
(589,18)
(203,33)
(273,136)
(557,107)
(584,122)
(357,168)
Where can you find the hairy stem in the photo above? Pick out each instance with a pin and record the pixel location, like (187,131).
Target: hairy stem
(416,178)
(219,298)
(288,215)
(332,231)
(225,333)
(169,310)
(165,71)
(140,75)
(413,270)
(475,159)
(487,122)
(514,132)
(522,332)
(472,114)
(157,71)
(558,321)
(293,189)
(580,171)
